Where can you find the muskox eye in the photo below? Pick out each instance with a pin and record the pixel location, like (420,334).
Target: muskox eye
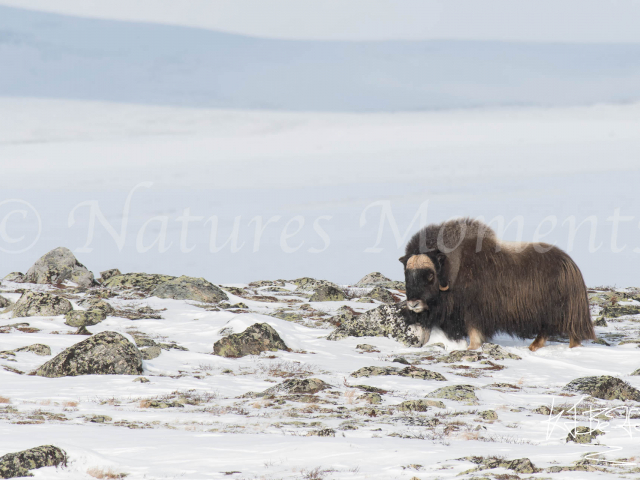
(430,277)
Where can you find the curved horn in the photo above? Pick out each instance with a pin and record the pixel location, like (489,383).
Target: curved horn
(444,289)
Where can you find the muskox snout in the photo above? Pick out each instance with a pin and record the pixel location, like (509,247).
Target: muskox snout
(415,305)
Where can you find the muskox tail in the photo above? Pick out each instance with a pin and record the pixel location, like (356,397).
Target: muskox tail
(576,321)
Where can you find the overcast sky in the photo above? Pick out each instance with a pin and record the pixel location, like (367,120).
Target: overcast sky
(541,20)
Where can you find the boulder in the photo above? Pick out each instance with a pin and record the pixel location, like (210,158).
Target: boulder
(4,302)
(583,435)
(459,393)
(149,353)
(189,288)
(411,372)
(15,277)
(144,282)
(93,303)
(37,348)
(36,304)
(107,274)
(259,337)
(18,464)
(106,353)
(382,295)
(328,294)
(58,266)
(308,284)
(383,321)
(488,415)
(604,387)
(84,318)
(377,279)
(497,352)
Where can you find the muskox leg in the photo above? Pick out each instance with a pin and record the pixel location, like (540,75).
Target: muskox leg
(476,339)
(538,342)
(574,342)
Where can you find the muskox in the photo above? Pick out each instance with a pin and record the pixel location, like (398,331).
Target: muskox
(461,278)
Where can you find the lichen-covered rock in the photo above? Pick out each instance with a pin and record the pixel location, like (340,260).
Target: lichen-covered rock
(18,464)
(106,353)
(365,347)
(149,353)
(93,303)
(57,266)
(307,284)
(615,311)
(107,274)
(600,322)
(377,279)
(37,348)
(419,405)
(4,302)
(583,435)
(636,372)
(382,295)
(144,282)
(461,356)
(325,432)
(259,337)
(328,294)
(141,380)
(190,288)
(497,352)
(371,398)
(605,387)
(488,415)
(459,393)
(84,318)
(411,372)
(307,386)
(520,465)
(36,304)
(383,321)
(15,277)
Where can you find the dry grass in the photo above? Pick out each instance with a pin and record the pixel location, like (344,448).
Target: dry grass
(108,473)
(350,396)
(144,403)
(281,368)
(70,404)
(5,400)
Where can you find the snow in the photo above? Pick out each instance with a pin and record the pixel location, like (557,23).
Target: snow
(226,433)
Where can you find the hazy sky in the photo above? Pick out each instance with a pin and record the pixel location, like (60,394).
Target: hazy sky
(540,20)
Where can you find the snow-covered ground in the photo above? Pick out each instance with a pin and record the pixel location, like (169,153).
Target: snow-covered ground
(217,431)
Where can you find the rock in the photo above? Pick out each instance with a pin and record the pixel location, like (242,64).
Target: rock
(189,288)
(149,353)
(372,279)
(489,415)
(365,347)
(343,315)
(383,321)
(411,372)
(520,465)
(615,311)
(382,295)
(107,274)
(4,302)
(328,294)
(141,380)
(84,318)
(307,386)
(307,284)
(600,322)
(605,387)
(15,277)
(365,300)
(37,348)
(259,337)
(371,398)
(18,464)
(143,341)
(58,266)
(325,432)
(419,405)
(459,393)
(497,352)
(461,356)
(106,353)
(36,304)
(99,419)
(583,435)
(636,372)
(144,282)
(604,299)
(93,303)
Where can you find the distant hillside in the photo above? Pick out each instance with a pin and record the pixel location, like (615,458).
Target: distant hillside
(57,56)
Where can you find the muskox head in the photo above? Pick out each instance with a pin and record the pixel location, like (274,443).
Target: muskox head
(424,279)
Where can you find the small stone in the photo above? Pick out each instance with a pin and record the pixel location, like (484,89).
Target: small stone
(100,419)
(365,347)
(600,322)
(141,380)
(417,405)
(325,432)
(307,386)
(497,352)
(371,398)
(18,464)
(149,353)
(605,387)
(36,304)
(259,337)
(37,348)
(488,415)
(459,393)
(583,435)
(328,294)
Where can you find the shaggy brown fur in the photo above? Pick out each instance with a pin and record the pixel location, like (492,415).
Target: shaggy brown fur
(481,286)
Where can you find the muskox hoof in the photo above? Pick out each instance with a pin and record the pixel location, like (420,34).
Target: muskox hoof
(538,343)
